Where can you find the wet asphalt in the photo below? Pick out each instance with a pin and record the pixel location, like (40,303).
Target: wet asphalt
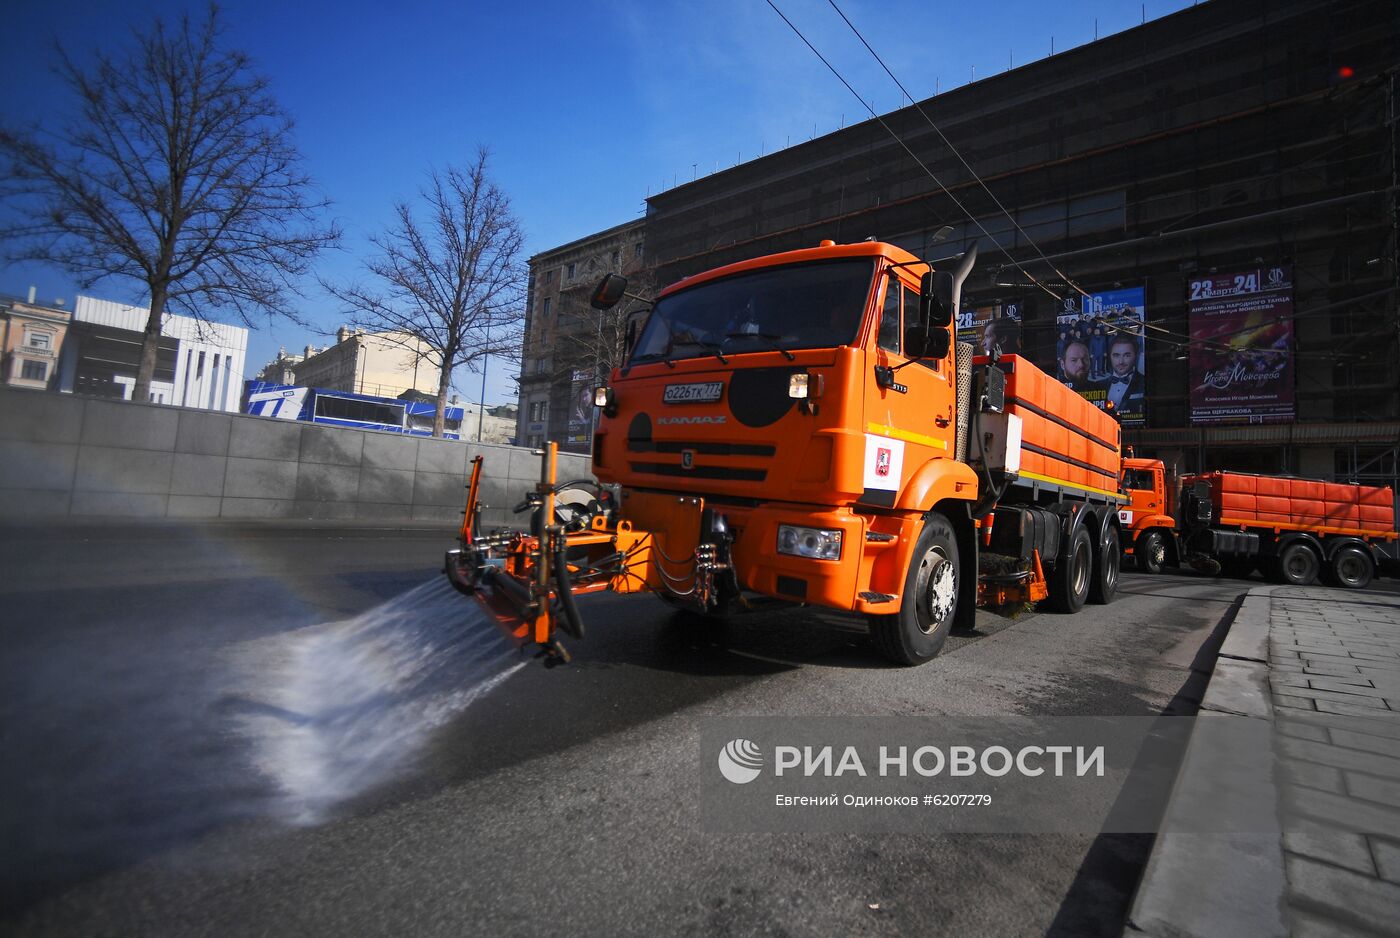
(164,688)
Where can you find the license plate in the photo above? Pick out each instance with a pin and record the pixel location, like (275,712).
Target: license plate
(692,393)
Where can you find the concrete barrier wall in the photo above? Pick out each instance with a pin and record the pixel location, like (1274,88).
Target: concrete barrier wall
(67,455)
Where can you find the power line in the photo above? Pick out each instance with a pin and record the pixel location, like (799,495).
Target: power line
(912,155)
(949,144)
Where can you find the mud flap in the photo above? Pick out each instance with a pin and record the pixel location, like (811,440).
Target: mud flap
(965,616)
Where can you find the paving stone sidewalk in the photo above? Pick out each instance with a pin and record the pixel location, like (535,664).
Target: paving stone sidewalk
(1334,677)
(1323,665)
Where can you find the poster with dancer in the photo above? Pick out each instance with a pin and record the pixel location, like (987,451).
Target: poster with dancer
(1242,347)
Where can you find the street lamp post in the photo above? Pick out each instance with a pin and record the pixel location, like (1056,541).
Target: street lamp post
(485,361)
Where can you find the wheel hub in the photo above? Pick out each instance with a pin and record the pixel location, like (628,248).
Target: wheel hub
(1351,569)
(940,589)
(1081,571)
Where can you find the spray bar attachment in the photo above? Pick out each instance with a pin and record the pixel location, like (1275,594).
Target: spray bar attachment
(527,580)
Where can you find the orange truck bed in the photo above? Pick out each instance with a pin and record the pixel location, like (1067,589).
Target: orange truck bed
(1255,501)
(1065,440)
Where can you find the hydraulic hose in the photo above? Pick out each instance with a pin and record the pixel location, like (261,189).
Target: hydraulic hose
(572,622)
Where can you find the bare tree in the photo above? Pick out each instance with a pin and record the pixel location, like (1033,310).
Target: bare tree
(179,172)
(597,339)
(449,285)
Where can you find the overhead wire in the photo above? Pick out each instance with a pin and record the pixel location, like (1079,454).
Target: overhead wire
(912,155)
(966,165)
(1142,324)
(1177,340)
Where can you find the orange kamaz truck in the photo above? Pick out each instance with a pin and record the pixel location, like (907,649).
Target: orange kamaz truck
(1294,530)
(802,428)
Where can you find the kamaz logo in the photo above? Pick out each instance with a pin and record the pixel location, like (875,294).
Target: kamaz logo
(710,419)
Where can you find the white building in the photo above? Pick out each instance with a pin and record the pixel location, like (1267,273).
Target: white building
(208,366)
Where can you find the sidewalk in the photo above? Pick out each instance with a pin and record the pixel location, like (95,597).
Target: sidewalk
(1323,666)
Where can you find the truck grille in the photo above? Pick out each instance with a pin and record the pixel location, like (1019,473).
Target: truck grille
(700,472)
(705,447)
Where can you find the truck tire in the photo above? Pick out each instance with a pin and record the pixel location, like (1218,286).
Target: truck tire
(917,632)
(1353,568)
(1069,584)
(1298,564)
(1150,552)
(1104,584)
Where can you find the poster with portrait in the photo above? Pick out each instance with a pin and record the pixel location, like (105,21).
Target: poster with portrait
(1242,346)
(986,327)
(1099,350)
(581,408)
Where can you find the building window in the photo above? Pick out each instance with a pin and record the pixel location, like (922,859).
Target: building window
(39,340)
(570,274)
(549,275)
(637,249)
(546,306)
(34,371)
(617,258)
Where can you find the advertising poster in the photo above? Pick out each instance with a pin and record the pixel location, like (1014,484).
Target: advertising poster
(1242,347)
(997,325)
(1099,351)
(581,408)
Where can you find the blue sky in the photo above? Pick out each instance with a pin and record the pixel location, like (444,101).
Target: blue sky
(587,107)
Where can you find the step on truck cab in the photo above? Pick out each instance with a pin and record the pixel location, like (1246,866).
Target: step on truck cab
(802,427)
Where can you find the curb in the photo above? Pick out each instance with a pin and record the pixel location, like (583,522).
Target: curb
(1219,884)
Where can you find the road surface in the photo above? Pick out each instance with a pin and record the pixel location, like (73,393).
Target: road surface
(241,731)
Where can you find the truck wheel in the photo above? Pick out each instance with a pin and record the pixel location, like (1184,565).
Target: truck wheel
(1352,568)
(1069,585)
(917,632)
(1298,565)
(1150,551)
(1104,584)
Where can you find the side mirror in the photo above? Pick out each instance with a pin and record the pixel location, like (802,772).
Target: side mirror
(939,342)
(927,343)
(608,291)
(936,301)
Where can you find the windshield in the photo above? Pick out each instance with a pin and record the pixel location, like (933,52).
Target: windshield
(817,305)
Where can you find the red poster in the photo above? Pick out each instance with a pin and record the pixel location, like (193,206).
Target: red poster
(1242,347)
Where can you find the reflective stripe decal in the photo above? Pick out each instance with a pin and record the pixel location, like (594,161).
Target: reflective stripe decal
(882,430)
(1073,485)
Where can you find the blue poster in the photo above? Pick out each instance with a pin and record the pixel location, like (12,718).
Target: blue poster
(1099,351)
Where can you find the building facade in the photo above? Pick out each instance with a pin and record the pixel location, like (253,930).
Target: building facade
(383,364)
(31,337)
(282,369)
(1220,184)
(198,364)
(568,344)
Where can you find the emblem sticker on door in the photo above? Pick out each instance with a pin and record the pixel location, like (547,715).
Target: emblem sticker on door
(884,462)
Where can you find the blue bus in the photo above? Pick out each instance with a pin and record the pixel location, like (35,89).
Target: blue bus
(347,409)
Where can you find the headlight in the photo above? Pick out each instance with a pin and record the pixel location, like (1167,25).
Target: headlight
(797,385)
(817,543)
(602,396)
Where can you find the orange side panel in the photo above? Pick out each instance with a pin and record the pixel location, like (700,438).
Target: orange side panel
(1302,504)
(1051,417)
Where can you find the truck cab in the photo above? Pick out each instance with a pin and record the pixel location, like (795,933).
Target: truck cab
(1148,520)
(776,394)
